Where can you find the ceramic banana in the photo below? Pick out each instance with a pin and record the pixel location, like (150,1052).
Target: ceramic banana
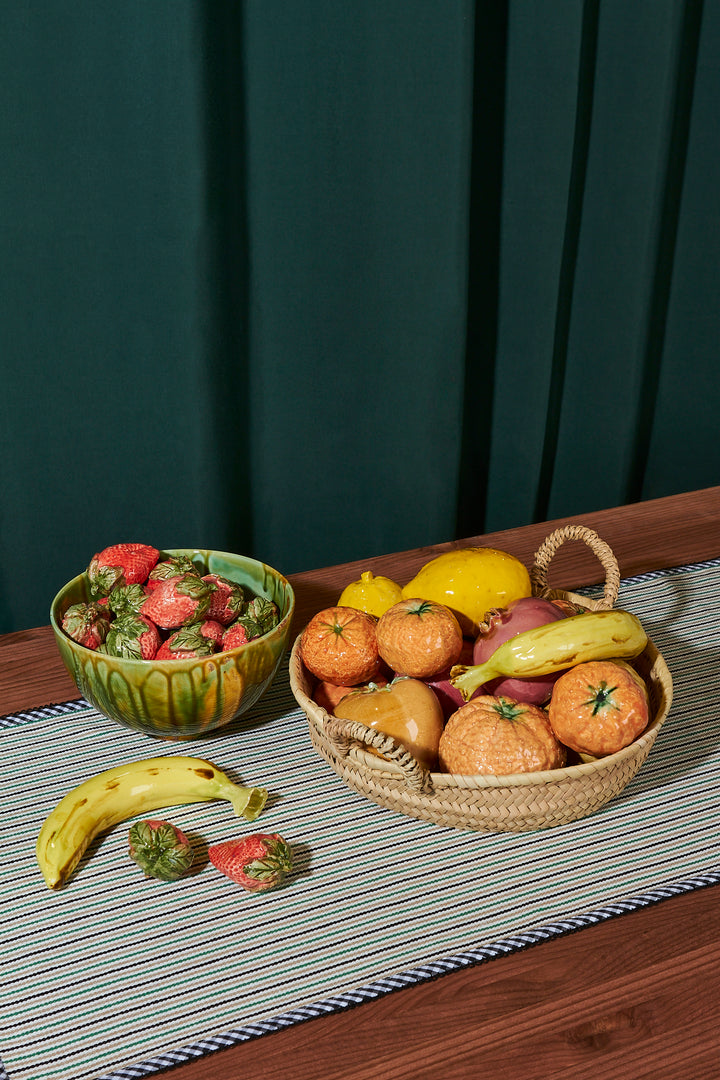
(594,635)
(125,791)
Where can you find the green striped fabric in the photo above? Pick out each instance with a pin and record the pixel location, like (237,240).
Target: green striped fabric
(117,976)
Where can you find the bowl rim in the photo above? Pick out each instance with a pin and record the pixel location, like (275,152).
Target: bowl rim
(282,628)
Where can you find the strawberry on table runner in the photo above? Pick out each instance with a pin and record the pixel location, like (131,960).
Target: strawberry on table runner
(258,862)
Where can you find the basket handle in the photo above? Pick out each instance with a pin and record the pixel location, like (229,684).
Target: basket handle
(343,733)
(544,555)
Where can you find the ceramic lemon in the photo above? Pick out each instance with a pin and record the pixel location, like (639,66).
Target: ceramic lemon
(371,594)
(471,581)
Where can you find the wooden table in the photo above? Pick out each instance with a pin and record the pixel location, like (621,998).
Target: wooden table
(637,996)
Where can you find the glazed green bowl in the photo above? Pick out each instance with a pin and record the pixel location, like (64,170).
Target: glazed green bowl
(181,699)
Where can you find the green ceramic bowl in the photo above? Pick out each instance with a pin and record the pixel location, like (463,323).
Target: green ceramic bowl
(181,699)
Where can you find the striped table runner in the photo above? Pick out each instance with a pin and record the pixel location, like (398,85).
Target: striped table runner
(119,977)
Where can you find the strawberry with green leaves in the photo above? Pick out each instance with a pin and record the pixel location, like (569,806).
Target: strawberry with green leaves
(173,566)
(161,849)
(258,618)
(134,636)
(120,564)
(88,624)
(178,601)
(227,601)
(125,598)
(258,862)
(186,643)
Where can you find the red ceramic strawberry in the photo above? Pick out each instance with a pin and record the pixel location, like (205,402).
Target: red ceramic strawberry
(227,600)
(120,564)
(88,624)
(234,637)
(212,630)
(186,643)
(134,636)
(178,601)
(258,862)
(259,617)
(174,566)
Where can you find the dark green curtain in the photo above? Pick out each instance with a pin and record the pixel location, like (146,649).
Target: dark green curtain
(320,281)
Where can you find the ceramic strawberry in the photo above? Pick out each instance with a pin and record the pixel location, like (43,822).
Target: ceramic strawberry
(227,600)
(162,850)
(134,636)
(178,601)
(124,598)
(120,564)
(88,624)
(186,643)
(234,637)
(212,630)
(257,862)
(259,616)
(174,566)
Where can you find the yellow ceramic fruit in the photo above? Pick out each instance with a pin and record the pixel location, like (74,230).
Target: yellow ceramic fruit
(371,594)
(471,581)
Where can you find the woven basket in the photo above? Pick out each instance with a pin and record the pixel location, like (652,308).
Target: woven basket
(521,803)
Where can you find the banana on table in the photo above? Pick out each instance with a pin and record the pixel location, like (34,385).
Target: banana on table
(125,791)
(594,635)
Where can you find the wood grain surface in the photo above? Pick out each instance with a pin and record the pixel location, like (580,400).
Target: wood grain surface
(637,996)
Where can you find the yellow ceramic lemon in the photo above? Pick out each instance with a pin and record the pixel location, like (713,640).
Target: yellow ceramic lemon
(371,594)
(471,581)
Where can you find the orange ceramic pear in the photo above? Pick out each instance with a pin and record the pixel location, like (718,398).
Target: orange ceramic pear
(405,709)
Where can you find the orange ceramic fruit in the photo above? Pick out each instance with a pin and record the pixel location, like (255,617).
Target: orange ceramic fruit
(419,638)
(339,645)
(495,735)
(599,707)
(328,695)
(405,709)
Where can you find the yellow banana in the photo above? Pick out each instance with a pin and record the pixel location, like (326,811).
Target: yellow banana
(594,635)
(125,791)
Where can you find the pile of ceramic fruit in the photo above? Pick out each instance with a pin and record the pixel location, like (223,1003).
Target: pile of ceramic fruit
(473,674)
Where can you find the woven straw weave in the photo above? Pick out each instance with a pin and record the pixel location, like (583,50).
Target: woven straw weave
(522,803)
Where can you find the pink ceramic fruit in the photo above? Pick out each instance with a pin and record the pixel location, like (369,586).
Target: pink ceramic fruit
(503,624)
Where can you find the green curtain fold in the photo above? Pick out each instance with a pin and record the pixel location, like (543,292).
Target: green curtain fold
(316,282)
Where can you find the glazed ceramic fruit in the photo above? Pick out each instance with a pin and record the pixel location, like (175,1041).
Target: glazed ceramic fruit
(471,581)
(258,862)
(419,638)
(406,709)
(339,645)
(181,698)
(599,707)
(373,594)
(499,736)
(327,694)
(502,624)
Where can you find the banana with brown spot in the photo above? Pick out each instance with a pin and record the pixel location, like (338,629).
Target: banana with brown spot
(594,635)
